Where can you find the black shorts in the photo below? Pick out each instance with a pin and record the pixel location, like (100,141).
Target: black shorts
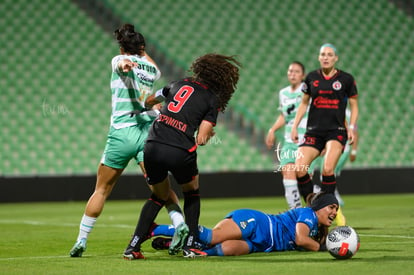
(318,140)
(159,158)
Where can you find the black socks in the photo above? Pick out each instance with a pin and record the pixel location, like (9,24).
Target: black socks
(148,214)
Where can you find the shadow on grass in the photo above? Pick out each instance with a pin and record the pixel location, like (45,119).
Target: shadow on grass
(283,257)
(378,259)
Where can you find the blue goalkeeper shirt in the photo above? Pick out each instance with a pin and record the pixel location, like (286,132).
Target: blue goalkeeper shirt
(267,232)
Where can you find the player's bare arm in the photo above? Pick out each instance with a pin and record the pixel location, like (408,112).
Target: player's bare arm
(151,101)
(270,138)
(302,238)
(353,104)
(154,99)
(299,115)
(205,132)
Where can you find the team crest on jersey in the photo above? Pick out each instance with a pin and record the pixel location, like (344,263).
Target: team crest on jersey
(336,85)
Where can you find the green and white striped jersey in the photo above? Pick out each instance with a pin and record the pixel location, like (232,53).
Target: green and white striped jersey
(288,104)
(129,91)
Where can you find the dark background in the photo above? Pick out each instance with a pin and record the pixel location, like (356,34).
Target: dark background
(212,185)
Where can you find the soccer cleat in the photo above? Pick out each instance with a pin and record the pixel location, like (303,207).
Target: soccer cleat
(161,243)
(180,235)
(193,253)
(340,219)
(78,248)
(130,254)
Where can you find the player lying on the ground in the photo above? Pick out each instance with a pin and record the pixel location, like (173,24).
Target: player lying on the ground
(245,231)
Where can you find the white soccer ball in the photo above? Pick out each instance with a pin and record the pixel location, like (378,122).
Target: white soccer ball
(342,242)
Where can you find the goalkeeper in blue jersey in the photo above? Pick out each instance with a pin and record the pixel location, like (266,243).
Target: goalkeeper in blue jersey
(245,231)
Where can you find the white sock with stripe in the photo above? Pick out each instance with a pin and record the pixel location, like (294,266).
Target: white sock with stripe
(86,226)
(292,194)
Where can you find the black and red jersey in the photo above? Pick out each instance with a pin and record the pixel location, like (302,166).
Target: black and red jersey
(187,104)
(329,98)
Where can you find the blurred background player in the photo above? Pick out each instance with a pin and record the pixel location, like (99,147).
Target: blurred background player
(330,90)
(289,100)
(132,80)
(191,105)
(350,152)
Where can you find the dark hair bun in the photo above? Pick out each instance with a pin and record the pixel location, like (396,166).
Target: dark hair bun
(131,41)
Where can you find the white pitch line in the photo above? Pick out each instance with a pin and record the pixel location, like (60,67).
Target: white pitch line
(31,222)
(37,257)
(387,236)
(61,224)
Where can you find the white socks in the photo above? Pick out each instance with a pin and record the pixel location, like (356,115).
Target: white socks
(292,194)
(316,188)
(175,213)
(176,218)
(86,226)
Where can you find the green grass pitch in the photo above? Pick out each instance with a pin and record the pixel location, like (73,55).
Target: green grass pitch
(36,239)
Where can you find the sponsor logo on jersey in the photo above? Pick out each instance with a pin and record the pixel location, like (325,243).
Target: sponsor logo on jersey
(146,67)
(290,109)
(326,103)
(325,92)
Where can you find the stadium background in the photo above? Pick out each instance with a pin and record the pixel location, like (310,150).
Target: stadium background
(55,97)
